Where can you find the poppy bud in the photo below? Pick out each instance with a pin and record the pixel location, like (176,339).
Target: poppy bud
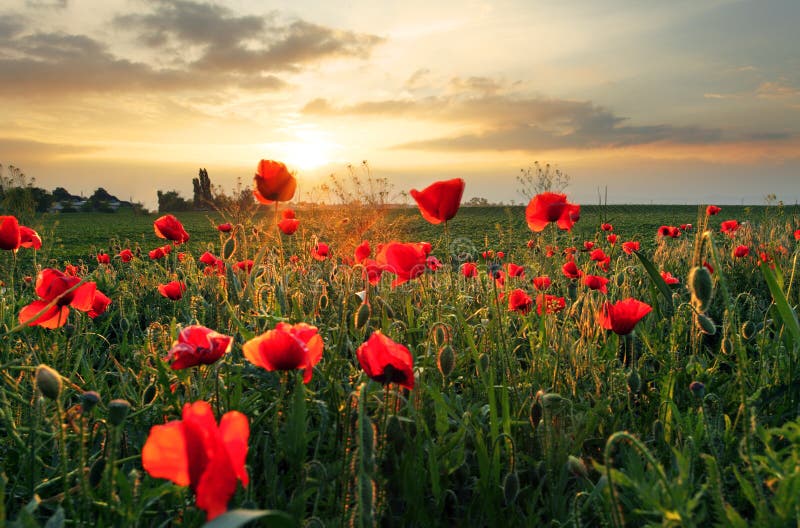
(620,279)
(48,381)
(96,472)
(634,381)
(483,360)
(440,334)
(658,432)
(572,290)
(89,400)
(149,394)
(446,360)
(726,346)
(535,413)
(362,315)
(576,467)
(748,330)
(706,324)
(510,487)
(701,287)
(229,248)
(551,400)
(698,389)
(118,411)
(395,433)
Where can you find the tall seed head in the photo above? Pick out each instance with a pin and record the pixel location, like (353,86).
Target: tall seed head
(48,381)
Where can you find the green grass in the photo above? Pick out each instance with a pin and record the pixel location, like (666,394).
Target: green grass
(543,420)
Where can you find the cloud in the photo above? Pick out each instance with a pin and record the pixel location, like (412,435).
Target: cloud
(205,46)
(508,122)
(229,42)
(20,151)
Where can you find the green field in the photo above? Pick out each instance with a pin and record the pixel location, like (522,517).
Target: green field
(516,417)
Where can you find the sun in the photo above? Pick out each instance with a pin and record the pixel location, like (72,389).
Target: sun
(310,150)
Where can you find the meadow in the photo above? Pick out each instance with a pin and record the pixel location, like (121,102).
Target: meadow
(527,404)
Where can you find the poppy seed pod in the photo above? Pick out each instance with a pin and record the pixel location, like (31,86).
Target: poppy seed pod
(362,315)
(701,287)
(748,330)
(698,389)
(89,400)
(576,467)
(149,394)
(48,381)
(726,346)
(510,487)
(118,411)
(634,381)
(446,360)
(706,324)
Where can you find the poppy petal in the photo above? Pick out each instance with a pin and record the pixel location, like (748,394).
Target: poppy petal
(234,430)
(164,453)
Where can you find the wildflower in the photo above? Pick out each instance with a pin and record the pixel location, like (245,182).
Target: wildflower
(729,227)
(100,303)
(273,182)
(607,227)
(439,202)
(519,301)
(126,255)
(612,239)
(386,361)
(686,227)
(28,238)
(551,207)
(362,251)
(286,347)
(288,226)
(170,228)
(741,251)
(198,453)
(103,258)
(549,304)
(321,251)
(157,253)
(711,210)
(198,345)
(595,282)
(598,255)
(407,261)
(630,246)
(53,285)
(225,228)
(542,283)
(515,271)
(469,269)
(244,265)
(622,316)
(570,270)
(670,231)
(10,237)
(669,278)
(172,290)
(433,263)
(588,245)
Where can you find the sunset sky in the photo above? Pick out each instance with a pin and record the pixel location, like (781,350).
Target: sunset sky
(663,102)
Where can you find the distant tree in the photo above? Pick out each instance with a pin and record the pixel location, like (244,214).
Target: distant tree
(203,197)
(477,201)
(170,201)
(537,179)
(60,194)
(19,196)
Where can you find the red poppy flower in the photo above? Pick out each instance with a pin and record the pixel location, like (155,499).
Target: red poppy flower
(709,267)
(273,182)
(52,285)
(604,264)
(686,227)
(100,303)
(198,453)
(669,278)
(711,210)
(531,244)
(406,261)
(71,270)
(487,254)
(595,282)
(469,269)
(598,255)
(433,263)
(501,255)
(797,235)
(372,271)
(286,347)
(126,255)
(157,253)
(612,239)
(607,227)
(288,225)
(172,290)
(570,270)
(244,265)
(550,251)
(208,258)
(588,245)
(225,228)
(103,258)
(386,361)
(288,214)
(28,238)
(741,251)
(542,283)
(515,270)
(362,251)
(10,237)
(549,304)
(519,301)
(670,231)
(551,207)
(630,246)
(170,228)
(729,227)
(198,345)
(623,316)
(321,251)
(439,202)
